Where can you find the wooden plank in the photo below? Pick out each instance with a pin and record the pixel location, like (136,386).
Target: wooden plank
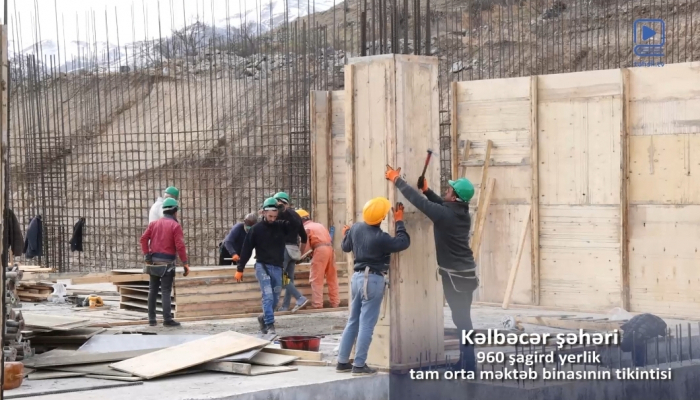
(228,367)
(310,363)
(56,358)
(350,154)
(116,378)
(54,322)
(535,194)
(263,370)
(329,160)
(303,355)
(516,261)
(38,375)
(188,354)
(91,369)
(624,187)
(481,218)
(273,360)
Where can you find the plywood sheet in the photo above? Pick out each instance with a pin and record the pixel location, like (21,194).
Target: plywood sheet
(396,119)
(664,259)
(579,151)
(321,159)
(498,250)
(580,257)
(665,100)
(188,354)
(339,169)
(110,343)
(579,85)
(665,169)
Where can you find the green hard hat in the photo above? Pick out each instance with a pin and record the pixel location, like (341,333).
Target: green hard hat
(282,196)
(463,188)
(172,190)
(270,202)
(169,203)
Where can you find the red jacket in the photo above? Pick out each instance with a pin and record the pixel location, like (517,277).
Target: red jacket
(166,240)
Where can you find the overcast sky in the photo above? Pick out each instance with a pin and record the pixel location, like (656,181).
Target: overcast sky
(75,16)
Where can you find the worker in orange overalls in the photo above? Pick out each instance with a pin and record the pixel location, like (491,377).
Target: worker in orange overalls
(322,262)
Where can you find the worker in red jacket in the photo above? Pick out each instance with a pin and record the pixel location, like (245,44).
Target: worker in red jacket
(161,244)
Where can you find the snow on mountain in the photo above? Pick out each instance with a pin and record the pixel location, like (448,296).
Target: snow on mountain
(188,41)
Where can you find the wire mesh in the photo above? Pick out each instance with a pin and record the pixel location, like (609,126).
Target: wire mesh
(219,107)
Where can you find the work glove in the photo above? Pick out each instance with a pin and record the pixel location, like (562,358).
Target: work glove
(187,270)
(239,276)
(392,174)
(148,258)
(235,258)
(345,230)
(423,184)
(398,212)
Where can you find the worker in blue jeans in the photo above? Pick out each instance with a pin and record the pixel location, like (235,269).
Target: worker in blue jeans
(371,248)
(267,238)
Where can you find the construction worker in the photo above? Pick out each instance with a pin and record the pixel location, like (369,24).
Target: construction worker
(450,217)
(371,248)
(267,238)
(161,243)
(292,254)
(157,208)
(233,243)
(322,262)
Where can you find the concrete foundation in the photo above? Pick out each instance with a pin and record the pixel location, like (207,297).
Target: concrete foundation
(308,383)
(684,385)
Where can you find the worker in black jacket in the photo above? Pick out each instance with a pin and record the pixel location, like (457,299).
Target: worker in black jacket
(450,217)
(267,238)
(292,254)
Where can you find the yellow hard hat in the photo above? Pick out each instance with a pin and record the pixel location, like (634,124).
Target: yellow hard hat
(375,210)
(302,213)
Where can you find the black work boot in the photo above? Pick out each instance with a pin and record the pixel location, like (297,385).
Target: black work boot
(172,323)
(343,367)
(261,322)
(270,329)
(364,370)
(152,322)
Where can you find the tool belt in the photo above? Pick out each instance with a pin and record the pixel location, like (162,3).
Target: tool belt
(368,271)
(457,274)
(159,270)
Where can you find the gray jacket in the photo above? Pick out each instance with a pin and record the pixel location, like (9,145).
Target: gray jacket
(372,247)
(452,223)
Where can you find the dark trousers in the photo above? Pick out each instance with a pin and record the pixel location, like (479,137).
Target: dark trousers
(458,293)
(165,284)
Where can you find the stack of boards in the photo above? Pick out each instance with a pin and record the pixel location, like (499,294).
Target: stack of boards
(54,330)
(211,291)
(144,357)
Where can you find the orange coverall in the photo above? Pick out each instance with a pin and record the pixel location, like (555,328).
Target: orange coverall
(322,264)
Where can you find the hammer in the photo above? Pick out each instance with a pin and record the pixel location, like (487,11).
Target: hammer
(427,161)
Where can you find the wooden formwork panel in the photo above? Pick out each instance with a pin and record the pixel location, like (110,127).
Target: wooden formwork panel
(580,256)
(664,259)
(499,111)
(395,119)
(329,170)
(665,100)
(665,169)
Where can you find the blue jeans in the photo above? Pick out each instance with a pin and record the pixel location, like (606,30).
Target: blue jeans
(290,290)
(364,313)
(271,286)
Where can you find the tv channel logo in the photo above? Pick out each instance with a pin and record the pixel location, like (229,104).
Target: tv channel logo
(649,37)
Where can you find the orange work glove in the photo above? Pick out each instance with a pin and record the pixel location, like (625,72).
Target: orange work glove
(423,184)
(239,276)
(187,270)
(345,230)
(392,174)
(235,258)
(398,212)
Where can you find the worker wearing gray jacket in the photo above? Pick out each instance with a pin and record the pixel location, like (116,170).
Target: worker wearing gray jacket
(450,216)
